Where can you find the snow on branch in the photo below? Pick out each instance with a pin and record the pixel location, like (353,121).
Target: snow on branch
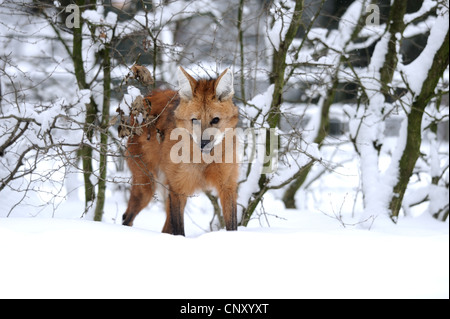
(417,71)
(282,12)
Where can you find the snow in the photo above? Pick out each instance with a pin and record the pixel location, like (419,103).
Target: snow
(317,251)
(349,21)
(417,71)
(427,6)
(93,16)
(282,13)
(323,249)
(260,105)
(302,255)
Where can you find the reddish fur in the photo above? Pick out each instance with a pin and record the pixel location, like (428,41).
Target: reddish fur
(147,157)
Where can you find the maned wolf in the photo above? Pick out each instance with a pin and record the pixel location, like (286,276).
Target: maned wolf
(204,110)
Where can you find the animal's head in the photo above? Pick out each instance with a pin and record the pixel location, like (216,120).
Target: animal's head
(206,108)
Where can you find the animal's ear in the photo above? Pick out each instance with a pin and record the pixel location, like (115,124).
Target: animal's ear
(224,86)
(186,83)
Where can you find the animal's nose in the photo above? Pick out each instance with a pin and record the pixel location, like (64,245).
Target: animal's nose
(204,143)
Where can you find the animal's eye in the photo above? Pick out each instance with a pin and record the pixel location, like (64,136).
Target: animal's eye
(215,120)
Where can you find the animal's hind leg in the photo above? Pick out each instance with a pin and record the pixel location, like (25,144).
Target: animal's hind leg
(141,195)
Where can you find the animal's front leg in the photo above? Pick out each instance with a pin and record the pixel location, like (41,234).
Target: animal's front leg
(228,199)
(175,214)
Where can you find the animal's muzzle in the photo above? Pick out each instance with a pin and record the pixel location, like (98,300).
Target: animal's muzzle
(205,145)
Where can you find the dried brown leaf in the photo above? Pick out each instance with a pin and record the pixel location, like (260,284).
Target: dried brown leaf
(138,130)
(114,120)
(142,74)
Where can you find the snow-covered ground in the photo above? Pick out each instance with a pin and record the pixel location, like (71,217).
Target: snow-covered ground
(301,255)
(320,250)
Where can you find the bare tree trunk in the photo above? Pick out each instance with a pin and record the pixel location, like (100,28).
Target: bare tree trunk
(241,47)
(324,126)
(369,136)
(396,26)
(289,194)
(277,78)
(104,134)
(414,137)
(85,152)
